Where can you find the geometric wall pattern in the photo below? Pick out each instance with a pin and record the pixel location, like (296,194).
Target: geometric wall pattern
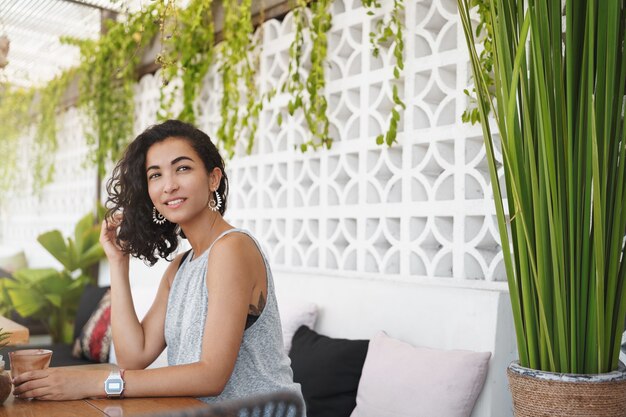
(419,210)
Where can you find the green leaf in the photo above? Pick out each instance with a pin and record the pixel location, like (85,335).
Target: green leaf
(27,304)
(54,243)
(28,276)
(82,231)
(92,256)
(54,299)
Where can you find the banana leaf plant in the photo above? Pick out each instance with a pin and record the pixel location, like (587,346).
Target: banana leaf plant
(51,295)
(48,295)
(79,253)
(560,80)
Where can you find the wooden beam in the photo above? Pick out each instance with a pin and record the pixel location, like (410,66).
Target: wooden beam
(91,5)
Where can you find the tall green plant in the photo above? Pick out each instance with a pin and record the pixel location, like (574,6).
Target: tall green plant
(559,110)
(51,295)
(484,32)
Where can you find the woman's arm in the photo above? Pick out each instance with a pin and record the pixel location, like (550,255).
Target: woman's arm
(235,270)
(137,344)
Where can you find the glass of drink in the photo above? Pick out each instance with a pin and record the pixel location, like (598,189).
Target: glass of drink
(29,360)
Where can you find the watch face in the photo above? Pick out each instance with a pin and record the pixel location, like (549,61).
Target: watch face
(114,386)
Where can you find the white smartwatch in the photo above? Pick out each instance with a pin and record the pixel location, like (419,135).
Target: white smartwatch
(114,384)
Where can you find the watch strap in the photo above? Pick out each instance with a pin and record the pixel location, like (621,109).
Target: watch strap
(122,370)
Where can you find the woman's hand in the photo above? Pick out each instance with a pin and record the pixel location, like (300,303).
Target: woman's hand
(60,384)
(108,234)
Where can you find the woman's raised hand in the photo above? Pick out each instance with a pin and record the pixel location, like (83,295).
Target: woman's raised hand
(108,235)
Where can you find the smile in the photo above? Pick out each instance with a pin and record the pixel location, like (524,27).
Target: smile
(175,203)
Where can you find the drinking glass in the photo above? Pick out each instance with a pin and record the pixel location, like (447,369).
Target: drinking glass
(29,360)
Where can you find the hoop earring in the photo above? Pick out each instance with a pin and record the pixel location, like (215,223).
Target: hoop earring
(215,205)
(157,217)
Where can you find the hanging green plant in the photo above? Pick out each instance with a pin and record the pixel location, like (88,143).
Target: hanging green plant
(386,33)
(254,101)
(237,71)
(21,108)
(15,113)
(314,104)
(45,141)
(188,43)
(108,72)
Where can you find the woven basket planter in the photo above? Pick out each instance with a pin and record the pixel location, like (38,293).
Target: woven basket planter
(538,393)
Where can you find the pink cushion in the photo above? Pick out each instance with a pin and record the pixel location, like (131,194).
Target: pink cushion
(292,316)
(401,380)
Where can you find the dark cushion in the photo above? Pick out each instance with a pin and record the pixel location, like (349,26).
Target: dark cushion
(328,370)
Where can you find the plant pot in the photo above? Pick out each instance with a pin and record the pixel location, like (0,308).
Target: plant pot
(539,393)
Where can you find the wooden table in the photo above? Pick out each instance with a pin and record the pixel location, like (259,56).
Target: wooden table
(19,333)
(128,407)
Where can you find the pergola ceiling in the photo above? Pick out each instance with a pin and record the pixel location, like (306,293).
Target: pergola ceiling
(34,28)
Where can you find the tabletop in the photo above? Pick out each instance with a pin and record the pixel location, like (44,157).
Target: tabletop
(102,407)
(127,407)
(19,333)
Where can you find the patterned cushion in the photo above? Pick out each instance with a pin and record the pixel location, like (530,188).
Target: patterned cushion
(94,341)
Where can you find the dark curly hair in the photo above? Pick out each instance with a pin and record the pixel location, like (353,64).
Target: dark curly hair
(128,191)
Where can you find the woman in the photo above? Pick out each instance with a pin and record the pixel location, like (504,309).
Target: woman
(215,309)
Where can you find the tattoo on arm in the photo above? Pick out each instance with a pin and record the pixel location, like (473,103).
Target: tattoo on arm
(256,310)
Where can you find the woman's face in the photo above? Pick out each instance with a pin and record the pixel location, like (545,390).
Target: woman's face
(178,183)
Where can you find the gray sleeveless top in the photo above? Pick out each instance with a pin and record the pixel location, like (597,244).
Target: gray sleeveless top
(262,365)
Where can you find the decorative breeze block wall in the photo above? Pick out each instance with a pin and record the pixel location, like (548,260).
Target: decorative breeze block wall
(420,210)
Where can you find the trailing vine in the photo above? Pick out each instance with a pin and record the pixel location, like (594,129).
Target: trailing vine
(188,44)
(483,28)
(15,115)
(385,32)
(46,131)
(315,108)
(254,102)
(108,73)
(20,108)
(237,71)
(108,76)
